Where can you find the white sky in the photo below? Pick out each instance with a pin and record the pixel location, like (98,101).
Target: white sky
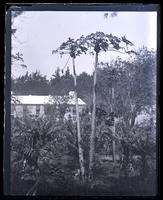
(39,32)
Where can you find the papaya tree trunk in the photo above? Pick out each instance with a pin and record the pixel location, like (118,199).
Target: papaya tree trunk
(80,150)
(113,127)
(113,144)
(92,137)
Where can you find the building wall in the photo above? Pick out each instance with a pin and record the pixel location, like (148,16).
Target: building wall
(71,111)
(39,110)
(22,110)
(31,110)
(42,112)
(17,110)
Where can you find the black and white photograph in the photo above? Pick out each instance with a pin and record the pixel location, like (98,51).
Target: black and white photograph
(83,106)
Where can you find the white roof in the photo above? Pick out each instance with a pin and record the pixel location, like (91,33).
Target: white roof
(37,100)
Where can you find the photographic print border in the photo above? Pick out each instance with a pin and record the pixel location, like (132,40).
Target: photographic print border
(67,7)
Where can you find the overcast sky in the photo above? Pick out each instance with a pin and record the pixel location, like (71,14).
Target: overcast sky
(39,32)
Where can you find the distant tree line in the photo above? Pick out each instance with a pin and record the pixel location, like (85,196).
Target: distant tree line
(60,83)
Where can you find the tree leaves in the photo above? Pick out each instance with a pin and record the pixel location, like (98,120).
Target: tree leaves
(54,51)
(72,47)
(41,145)
(106,15)
(127,41)
(101,42)
(33,83)
(112,14)
(18,56)
(24,66)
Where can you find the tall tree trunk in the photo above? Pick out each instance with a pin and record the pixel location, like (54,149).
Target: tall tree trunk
(125,161)
(113,127)
(80,150)
(113,144)
(92,137)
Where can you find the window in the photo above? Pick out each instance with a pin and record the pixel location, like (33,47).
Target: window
(74,118)
(24,110)
(12,109)
(37,110)
(47,109)
(74,111)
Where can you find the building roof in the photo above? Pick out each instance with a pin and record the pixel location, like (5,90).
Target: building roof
(40,100)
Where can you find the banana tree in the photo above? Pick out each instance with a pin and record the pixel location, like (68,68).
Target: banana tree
(98,42)
(75,48)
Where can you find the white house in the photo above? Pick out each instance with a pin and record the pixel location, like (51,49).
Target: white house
(36,105)
(146,115)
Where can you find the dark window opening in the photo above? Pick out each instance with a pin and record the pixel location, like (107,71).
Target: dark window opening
(24,110)
(74,111)
(12,110)
(37,110)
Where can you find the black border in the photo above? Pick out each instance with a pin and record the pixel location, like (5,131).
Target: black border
(85,7)
(7,104)
(71,7)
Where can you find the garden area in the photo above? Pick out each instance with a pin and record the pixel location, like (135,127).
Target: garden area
(45,156)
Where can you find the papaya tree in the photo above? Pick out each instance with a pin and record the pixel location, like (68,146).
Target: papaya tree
(98,42)
(75,48)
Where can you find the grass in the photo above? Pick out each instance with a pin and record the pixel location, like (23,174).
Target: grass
(109,181)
